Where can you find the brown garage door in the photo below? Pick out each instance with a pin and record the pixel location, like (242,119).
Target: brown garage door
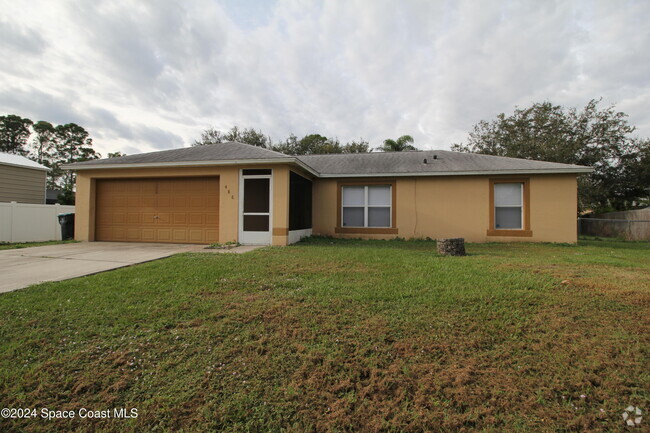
(179,210)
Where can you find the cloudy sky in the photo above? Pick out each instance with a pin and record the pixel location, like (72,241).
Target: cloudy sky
(149,75)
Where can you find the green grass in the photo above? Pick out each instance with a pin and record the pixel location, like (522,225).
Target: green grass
(16,245)
(332,335)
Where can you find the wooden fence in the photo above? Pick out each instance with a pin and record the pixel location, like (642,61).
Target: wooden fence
(631,225)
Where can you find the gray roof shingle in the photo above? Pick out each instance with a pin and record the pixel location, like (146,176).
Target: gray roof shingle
(439,162)
(214,152)
(446,162)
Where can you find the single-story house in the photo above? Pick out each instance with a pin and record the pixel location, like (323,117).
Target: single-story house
(52,195)
(237,192)
(22,180)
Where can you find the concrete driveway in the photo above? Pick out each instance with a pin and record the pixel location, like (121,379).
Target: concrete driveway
(26,266)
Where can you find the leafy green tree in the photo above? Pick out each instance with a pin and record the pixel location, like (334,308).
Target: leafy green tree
(246,135)
(354,146)
(311,144)
(290,146)
(634,178)
(72,145)
(66,197)
(405,142)
(598,138)
(43,142)
(210,136)
(14,133)
(316,144)
(249,136)
(116,154)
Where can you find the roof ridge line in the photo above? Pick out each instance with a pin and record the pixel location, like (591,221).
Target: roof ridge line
(376,153)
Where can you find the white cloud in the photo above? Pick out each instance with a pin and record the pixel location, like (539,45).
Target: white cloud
(152,75)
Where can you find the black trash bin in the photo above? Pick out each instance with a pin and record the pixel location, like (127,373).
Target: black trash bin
(67,225)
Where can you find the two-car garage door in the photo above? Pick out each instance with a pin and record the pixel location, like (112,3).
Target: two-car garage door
(177,210)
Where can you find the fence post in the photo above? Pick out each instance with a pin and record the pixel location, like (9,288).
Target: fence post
(629,230)
(14,206)
(57,211)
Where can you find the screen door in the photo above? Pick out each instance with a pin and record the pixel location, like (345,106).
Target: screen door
(255,206)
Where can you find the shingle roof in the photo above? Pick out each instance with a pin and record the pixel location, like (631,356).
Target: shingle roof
(214,152)
(20,161)
(439,162)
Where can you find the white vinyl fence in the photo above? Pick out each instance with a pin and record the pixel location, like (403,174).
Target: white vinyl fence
(22,222)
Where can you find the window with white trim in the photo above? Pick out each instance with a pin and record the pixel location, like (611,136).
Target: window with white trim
(366,206)
(508,206)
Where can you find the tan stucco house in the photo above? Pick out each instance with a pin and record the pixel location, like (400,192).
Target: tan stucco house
(237,192)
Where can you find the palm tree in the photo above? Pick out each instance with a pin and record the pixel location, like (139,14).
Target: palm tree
(401,144)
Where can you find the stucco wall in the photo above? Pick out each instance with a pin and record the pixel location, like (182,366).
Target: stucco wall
(228,197)
(21,184)
(458,206)
(280,205)
(453,206)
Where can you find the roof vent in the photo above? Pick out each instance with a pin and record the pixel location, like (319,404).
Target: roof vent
(425,160)
(435,156)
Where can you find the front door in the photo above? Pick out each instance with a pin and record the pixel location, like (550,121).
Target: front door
(255,206)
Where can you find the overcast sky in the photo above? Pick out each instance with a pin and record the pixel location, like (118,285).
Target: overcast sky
(151,75)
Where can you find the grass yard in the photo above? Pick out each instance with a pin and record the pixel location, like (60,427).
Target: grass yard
(340,336)
(16,245)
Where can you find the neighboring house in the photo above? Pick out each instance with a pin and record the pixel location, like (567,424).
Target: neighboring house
(236,192)
(53,196)
(21,179)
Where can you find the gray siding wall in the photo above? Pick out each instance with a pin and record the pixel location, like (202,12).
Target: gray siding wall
(24,185)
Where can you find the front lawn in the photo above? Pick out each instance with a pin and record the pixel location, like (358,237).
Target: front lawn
(340,336)
(16,245)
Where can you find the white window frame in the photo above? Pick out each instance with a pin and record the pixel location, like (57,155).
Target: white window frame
(366,206)
(521,205)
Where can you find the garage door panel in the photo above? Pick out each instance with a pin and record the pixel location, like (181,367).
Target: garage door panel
(113,232)
(211,236)
(180,186)
(164,235)
(118,218)
(148,218)
(133,218)
(211,218)
(149,201)
(119,201)
(149,235)
(195,235)
(180,218)
(164,218)
(196,218)
(102,219)
(197,202)
(180,235)
(163,202)
(147,187)
(164,187)
(180,202)
(158,210)
(133,234)
(133,201)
